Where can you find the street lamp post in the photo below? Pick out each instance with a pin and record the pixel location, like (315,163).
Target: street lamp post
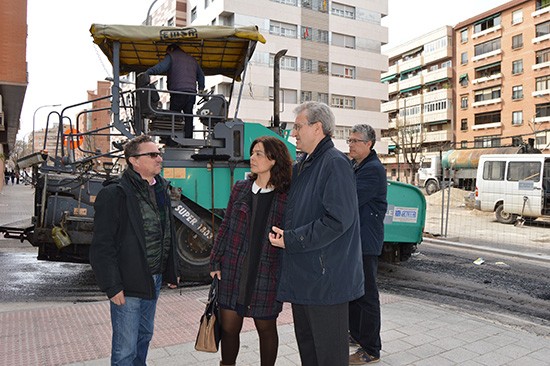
(148,20)
(34,120)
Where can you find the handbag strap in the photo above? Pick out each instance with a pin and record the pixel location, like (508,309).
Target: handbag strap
(213,293)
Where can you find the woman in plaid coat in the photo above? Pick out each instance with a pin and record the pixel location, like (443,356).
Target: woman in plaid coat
(247,265)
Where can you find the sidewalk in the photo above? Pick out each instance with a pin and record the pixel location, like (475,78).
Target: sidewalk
(414,332)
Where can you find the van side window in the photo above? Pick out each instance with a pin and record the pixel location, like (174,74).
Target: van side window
(493,170)
(528,170)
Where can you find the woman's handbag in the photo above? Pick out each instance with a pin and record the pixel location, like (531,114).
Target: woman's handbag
(208,338)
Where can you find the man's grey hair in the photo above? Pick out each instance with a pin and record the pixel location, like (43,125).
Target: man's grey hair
(366,131)
(318,112)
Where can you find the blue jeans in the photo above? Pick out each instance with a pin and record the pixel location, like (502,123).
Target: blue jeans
(133,325)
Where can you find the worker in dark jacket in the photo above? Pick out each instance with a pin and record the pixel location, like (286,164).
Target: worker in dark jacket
(133,247)
(372,186)
(321,268)
(183,74)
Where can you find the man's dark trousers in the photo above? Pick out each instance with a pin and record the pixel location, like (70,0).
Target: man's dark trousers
(321,334)
(185,103)
(364,313)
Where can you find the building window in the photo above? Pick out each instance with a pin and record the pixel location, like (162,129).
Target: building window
(464,58)
(517,41)
(464,124)
(487,141)
(342,10)
(517,92)
(517,16)
(464,102)
(306,65)
(487,71)
(287,2)
(322,67)
(288,96)
(487,94)
(487,47)
(446,64)
(489,117)
(343,40)
(463,80)
(542,83)
(540,4)
(321,36)
(170,22)
(542,56)
(342,101)
(305,96)
(463,144)
(307,33)
(487,23)
(542,29)
(343,71)
(287,62)
(435,106)
(543,110)
(322,97)
(517,67)
(517,118)
(194,14)
(540,140)
(464,35)
(283,29)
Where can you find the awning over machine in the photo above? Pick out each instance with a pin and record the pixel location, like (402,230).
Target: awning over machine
(218,49)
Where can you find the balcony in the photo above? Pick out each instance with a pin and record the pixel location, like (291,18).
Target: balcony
(408,84)
(393,88)
(486,102)
(487,31)
(441,54)
(392,70)
(487,78)
(486,55)
(392,124)
(388,106)
(541,39)
(487,126)
(438,136)
(540,12)
(540,93)
(443,115)
(438,75)
(541,119)
(542,65)
(410,101)
(410,64)
(437,95)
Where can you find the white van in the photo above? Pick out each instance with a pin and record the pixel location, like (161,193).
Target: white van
(514,185)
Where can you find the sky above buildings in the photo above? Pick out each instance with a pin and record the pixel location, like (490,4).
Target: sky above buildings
(63,63)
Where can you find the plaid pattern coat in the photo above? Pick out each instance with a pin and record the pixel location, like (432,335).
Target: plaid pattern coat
(232,244)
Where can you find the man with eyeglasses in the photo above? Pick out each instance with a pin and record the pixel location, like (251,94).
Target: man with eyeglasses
(133,247)
(370,175)
(321,268)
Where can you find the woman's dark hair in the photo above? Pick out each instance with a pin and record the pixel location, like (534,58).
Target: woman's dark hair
(281,172)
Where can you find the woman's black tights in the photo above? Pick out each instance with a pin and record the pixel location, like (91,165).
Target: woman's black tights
(232,324)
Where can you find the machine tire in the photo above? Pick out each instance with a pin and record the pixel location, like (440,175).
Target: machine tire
(503,216)
(194,253)
(431,187)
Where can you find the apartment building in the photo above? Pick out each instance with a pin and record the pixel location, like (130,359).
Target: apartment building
(419,105)
(502,88)
(334,56)
(13,73)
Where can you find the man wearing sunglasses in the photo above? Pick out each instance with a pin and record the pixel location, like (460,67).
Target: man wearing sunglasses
(370,175)
(133,248)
